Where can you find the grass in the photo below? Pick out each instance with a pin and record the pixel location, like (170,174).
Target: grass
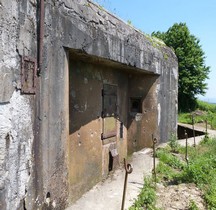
(205,106)
(201,169)
(193,206)
(206,111)
(147,196)
(173,169)
(169,159)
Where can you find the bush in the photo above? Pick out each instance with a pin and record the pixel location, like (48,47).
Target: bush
(147,196)
(173,143)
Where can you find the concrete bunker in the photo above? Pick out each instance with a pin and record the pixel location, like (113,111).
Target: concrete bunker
(104,88)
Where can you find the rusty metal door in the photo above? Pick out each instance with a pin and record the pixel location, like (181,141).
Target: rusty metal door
(109,112)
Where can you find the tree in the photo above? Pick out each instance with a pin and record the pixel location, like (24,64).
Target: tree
(191,59)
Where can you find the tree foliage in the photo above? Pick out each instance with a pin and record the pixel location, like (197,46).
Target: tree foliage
(191,59)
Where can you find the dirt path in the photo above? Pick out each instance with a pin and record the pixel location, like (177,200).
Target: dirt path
(179,197)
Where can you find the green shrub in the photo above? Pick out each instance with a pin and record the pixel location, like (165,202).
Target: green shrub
(173,143)
(147,196)
(169,159)
(193,206)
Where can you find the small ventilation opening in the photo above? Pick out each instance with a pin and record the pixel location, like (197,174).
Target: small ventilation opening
(110,162)
(135,105)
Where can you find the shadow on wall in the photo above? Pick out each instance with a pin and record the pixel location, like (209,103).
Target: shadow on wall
(136,100)
(86,83)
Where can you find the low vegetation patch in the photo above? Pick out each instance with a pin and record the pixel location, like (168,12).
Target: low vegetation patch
(205,106)
(174,170)
(205,111)
(147,196)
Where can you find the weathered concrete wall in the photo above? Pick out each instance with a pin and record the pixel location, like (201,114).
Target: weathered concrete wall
(82,26)
(167,91)
(17,34)
(16,150)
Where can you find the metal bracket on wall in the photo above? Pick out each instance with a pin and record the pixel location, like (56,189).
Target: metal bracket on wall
(28,75)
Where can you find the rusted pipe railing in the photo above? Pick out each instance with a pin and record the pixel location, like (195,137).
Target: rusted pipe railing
(211,119)
(128,170)
(193,130)
(206,124)
(186,147)
(206,130)
(41,36)
(154,140)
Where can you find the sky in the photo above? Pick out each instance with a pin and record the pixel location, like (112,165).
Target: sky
(160,15)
